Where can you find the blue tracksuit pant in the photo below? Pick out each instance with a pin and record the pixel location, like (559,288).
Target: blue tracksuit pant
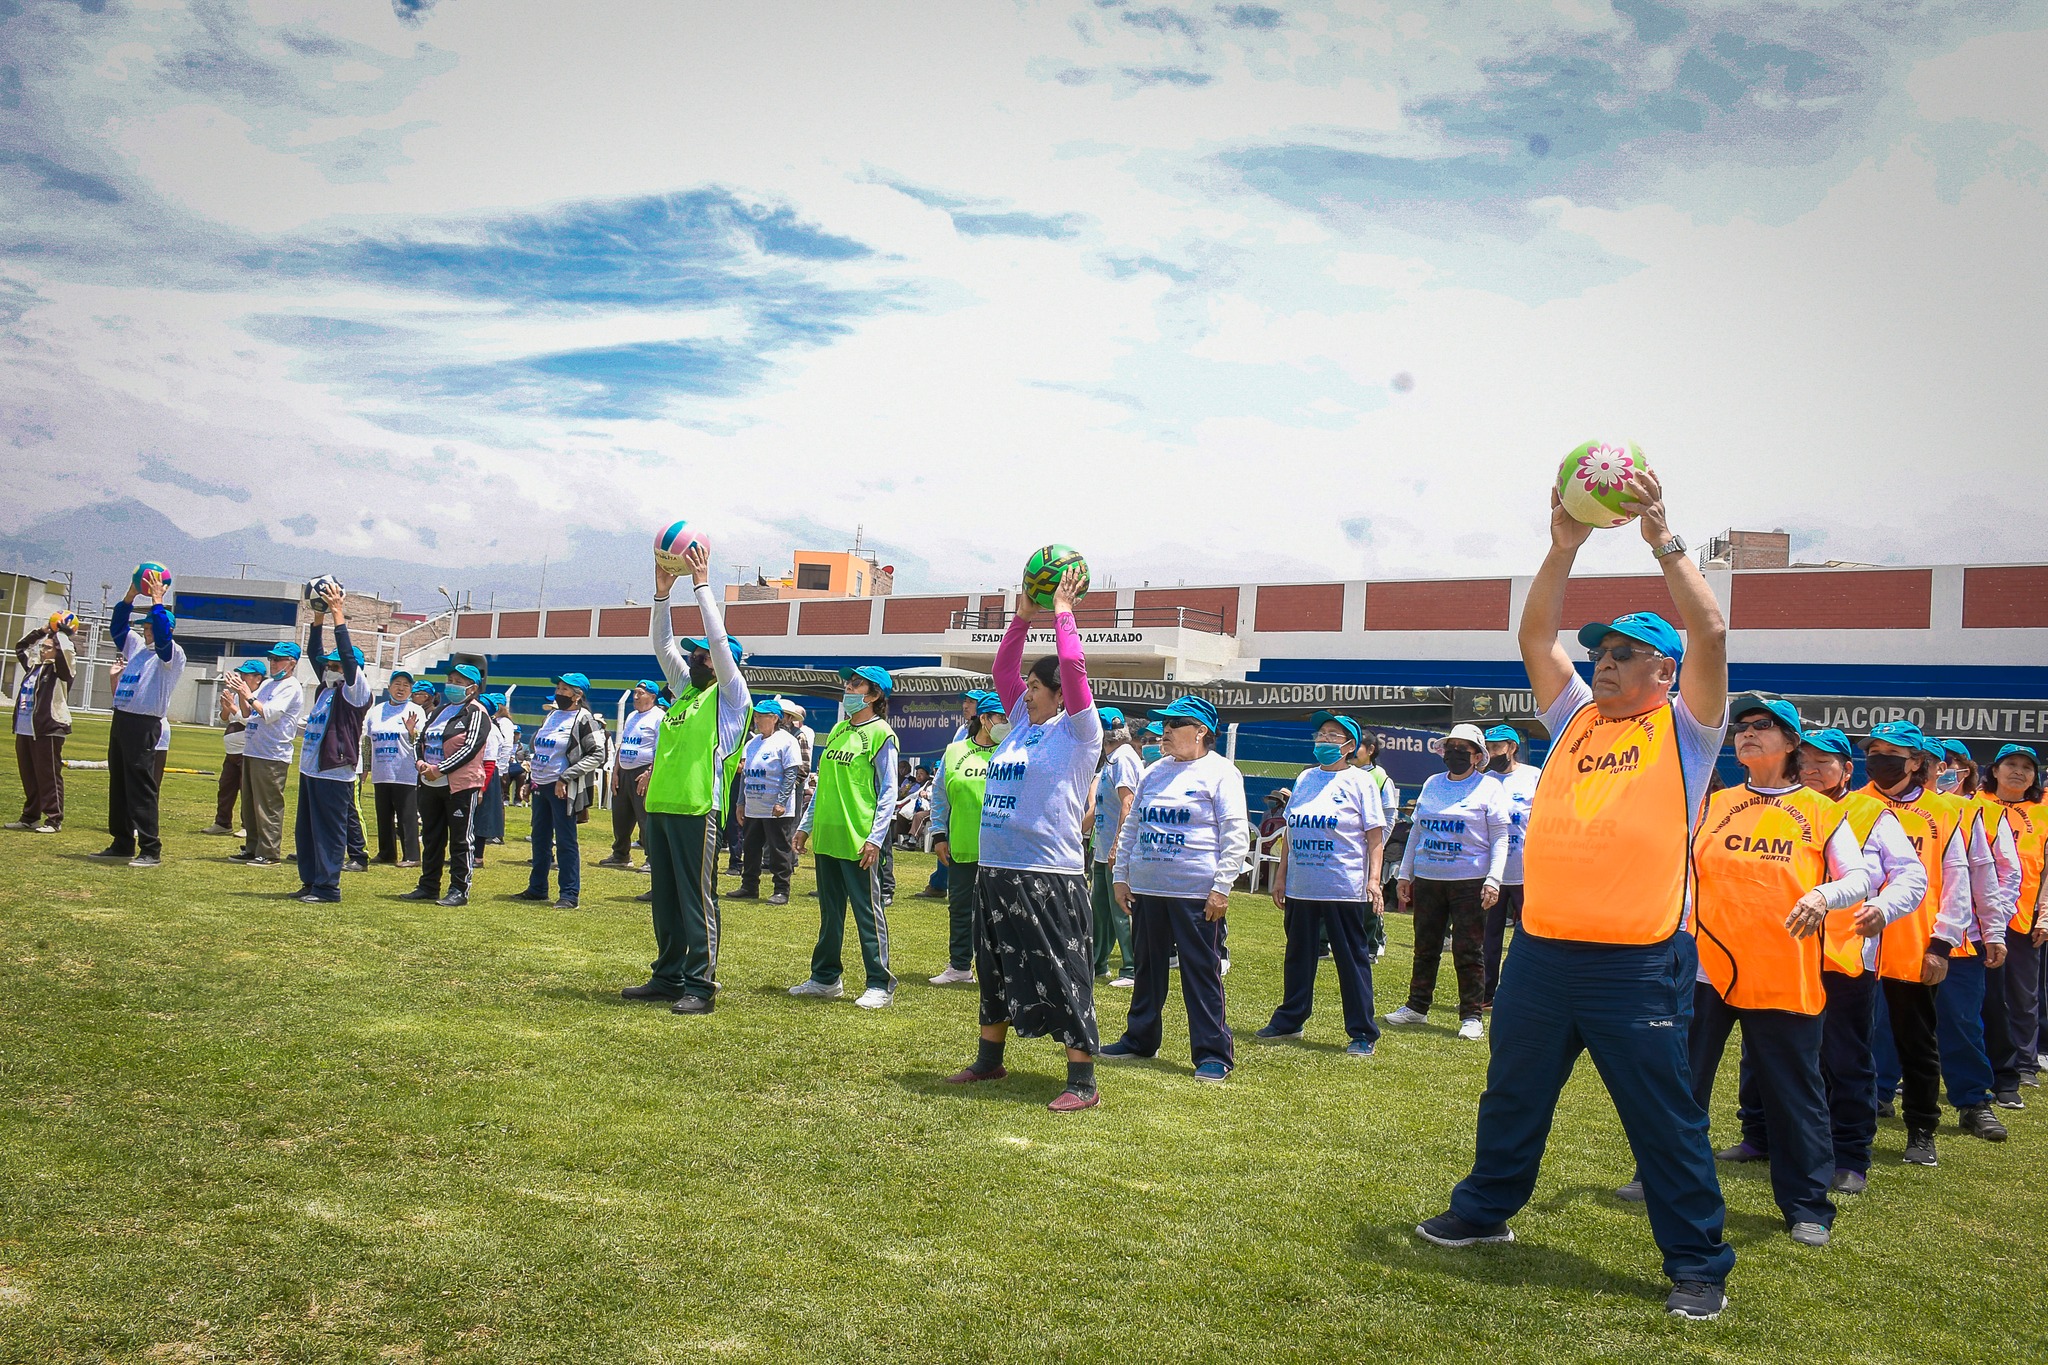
(1306,922)
(1160,927)
(1846,1069)
(321,831)
(554,833)
(1959,1029)
(1631,1007)
(1784,1049)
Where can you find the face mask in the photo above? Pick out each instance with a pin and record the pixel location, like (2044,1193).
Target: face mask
(852,704)
(1326,754)
(1000,731)
(1886,770)
(1457,762)
(702,674)
(1500,763)
(1948,782)
(564,702)
(332,675)
(1151,752)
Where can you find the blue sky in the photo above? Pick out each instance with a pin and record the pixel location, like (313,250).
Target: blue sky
(452,281)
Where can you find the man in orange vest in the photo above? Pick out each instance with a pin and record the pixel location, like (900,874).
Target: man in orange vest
(1604,962)
(2014,781)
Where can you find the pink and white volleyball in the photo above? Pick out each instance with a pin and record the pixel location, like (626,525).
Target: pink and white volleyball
(673,541)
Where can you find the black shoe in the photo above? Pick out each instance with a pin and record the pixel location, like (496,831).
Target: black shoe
(243,855)
(145,860)
(529,895)
(2009,1099)
(779,898)
(419,893)
(565,903)
(1979,1121)
(653,990)
(453,899)
(691,1004)
(644,896)
(300,894)
(1696,1302)
(1920,1148)
(745,895)
(113,851)
(614,862)
(355,865)
(1449,1230)
(311,899)
(1885,1110)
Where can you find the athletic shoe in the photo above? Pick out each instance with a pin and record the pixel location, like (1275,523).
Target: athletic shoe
(953,976)
(311,899)
(1404,1015)
(565,903)
(888,901)
(819,989)
(1449,1230)
(303,890)
(1849,1182)
(779,898)
(1809,1234)
(1741,1152)
(407,862)
(2031,1078)
(614,862)
(215,828)
(693,1004)
(1124,983)
(1121,1051)
(259,862)
(967,1075)
(529,896)
(1274,1033)
(1920,1147)
(1696,1302)
(241,855)
(874,998)
(1631,1193)
(241,834)
(929,895)
(1977,1121)
(1211,1072)
(23,826)
(2009,1099)
(151,860)
(453,899)
(44,829)
(355,865)
(1358,1047)
(744,895)
(113,851)
(644,896)
(1073,1102)
(653,990)
(1223,967)
(1885,1110)
(1471,1030)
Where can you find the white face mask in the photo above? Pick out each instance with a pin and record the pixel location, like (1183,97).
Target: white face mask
(999,731)
(332,675)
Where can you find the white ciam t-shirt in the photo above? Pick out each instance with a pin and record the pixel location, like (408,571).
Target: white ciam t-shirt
(1187,833)
(637,737)
(394,752)
(1519,786)
(1327,824)
(1121,769)
(1461,830)
(1037,788)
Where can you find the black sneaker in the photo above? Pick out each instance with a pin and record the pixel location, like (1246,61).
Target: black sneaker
(419,893)
(644,896)
(691,1004)
(653,990)
(113,851)
(253,861)
(145,860)
(529,895)
(565,903)
(1920,1148)
(779,898)
(355,865)
(1885,1110)
(1695,1301)
(309,898)
(1979,1121)
(2009,1099)
(243,855)
(1449,1230)
(453,899)
(745,895)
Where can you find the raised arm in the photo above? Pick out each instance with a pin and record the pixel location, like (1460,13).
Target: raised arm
(1703,682)
(1074,691)
(1549,667)
(661,633)
(1009,663)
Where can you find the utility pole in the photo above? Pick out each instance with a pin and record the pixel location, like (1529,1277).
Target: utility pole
(541,600)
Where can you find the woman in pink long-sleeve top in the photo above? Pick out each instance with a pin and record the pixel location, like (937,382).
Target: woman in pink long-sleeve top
(1033,927)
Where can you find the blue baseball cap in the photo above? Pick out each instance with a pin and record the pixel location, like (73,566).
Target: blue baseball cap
(469,673)
(1154,729)
(1191,708)
(990,704)
(1111,716)
(649,686)
(1784,712)
(398,673)
(699,642)
(1644,627)
(1959,749)
(1351,727)
(767,706)
(333,656)
(874,673)
(575,680)
(427,686)
(252,666)
(1830,741)
(1935,749)
(2025,751)
(493,701)
(1903,733)
(1503,734)
(286,649)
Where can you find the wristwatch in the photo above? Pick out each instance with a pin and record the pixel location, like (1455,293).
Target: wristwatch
(1673,546)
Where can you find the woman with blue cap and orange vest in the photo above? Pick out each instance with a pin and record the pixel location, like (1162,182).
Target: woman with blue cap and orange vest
(631,766)
(1033,958)
(848,823)
(1999,875)
(1328,883)
(1518,784)
(957,791)
(1176,860)
(451,767)
(1849,945)
(329,755)
(2014,781)
(1603,961)
(568,753)
(1914,954)
(1116,785)
(1772,860)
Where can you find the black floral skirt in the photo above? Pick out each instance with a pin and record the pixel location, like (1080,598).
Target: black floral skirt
(1034,954)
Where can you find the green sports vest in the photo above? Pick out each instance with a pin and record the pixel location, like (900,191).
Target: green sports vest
(685,778)
(843,813)
(966,782)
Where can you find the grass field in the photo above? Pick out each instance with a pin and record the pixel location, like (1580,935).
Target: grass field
(234,1127)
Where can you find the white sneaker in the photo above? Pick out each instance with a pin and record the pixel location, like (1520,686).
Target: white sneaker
(874,998)
(1472,1029)
(241,834)
(1223,968)
(44,829)
(1124,983)
(953,976)
(1404,1015)
(819,989)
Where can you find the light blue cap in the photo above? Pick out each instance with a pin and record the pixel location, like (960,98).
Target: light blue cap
(575,680)
(1903,733)
(874,673)
(1784,712)
(699,642)
(1644,627)
(2025,751)
(252,666)
(767,706)
(1110,716)
(469,673)
(333,656)
(1197,709)
(1503,734)
(1830,741)
(287,649)
(1351,727)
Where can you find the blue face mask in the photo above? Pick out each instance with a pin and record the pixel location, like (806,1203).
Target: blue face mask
(1327,754)
(1151,752)
(851,704)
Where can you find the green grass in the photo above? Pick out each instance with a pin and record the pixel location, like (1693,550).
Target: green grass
(234,1127)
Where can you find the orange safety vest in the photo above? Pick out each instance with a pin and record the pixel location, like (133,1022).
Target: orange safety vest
(2029,822)
(1754,856)
(1606,855)
(1841,945)
(1930,821)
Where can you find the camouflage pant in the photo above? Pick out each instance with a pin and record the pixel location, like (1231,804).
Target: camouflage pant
(1454,905)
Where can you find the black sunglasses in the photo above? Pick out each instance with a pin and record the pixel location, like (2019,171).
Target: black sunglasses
(1761,723)
(1176,722)
(1621,654)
